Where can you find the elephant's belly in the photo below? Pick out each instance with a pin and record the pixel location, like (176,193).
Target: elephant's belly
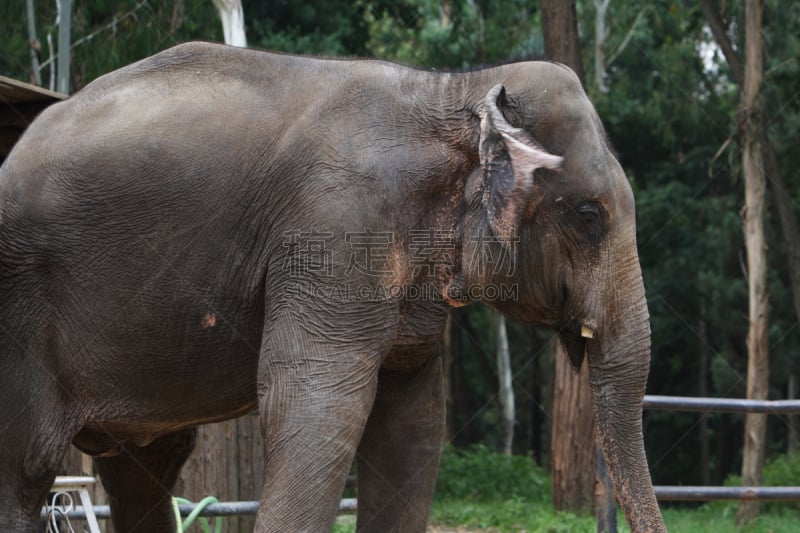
(141,385)
(108,438)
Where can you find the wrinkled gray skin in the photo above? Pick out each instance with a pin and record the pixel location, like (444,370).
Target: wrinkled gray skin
(148,286)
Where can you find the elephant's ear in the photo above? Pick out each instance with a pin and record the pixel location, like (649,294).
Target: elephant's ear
(508,158)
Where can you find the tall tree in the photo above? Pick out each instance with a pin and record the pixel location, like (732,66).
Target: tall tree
(752,124)
(780,192)
(505,385)
(572,445)
(758,156)
(36,76)
(600,37)
(232,16)
(560,29)
(572,440)
(64,45)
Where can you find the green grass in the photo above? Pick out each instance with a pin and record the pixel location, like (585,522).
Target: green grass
(516,516)
(345,524)
(484,491)
(538,517)
(508,516)
(721,516)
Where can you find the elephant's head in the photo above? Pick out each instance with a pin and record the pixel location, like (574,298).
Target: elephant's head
(562,253)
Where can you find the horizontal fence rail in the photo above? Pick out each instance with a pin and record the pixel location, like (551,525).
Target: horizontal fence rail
(720,405)
(667,493)
(723,405)
(663,492)
(346,506)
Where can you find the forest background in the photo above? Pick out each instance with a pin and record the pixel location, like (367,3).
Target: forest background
(669,101)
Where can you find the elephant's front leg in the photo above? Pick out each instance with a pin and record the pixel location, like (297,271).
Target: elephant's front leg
(315,396)
(398,458)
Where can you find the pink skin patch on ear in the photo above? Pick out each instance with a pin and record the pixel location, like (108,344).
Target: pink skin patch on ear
(209,320)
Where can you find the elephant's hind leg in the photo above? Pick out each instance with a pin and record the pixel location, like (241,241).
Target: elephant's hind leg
(398,457)
(139,482)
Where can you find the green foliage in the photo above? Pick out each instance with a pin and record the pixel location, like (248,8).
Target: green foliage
(513,515)
(456,34)
(479,474)
(106,34)
(783,470)
(780,471)
(479,488)
(320,27)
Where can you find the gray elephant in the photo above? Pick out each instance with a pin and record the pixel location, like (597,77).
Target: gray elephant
(212,229)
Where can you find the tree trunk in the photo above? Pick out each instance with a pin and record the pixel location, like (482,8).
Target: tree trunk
(718,29)
(64,45)
(506,388)
(783,200)
(572,450)
(33,44)
(572,442)
(600,36)
(232,16)
(560,29)
(790,229)
(751,118)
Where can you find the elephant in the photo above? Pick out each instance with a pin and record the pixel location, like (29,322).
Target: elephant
(213,230)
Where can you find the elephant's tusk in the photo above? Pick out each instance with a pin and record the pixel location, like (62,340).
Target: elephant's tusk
(587,332)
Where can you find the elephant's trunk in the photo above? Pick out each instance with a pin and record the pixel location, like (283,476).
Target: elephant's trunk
(619,362)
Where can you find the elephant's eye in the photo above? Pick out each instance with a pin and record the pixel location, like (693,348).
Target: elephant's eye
(590,213)
(592,217)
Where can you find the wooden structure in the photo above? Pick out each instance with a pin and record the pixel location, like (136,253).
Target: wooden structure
(227,462)
(20,102)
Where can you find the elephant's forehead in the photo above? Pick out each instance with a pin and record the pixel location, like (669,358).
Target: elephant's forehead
(595,172)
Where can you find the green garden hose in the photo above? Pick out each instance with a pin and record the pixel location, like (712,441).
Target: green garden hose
(201,505)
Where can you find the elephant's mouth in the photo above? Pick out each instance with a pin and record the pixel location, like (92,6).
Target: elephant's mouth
(574,332)
(574,335)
